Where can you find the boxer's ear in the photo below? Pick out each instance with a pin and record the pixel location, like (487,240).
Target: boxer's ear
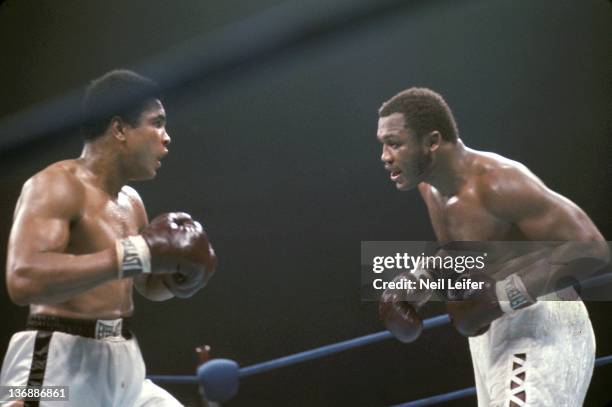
(432,140)
(117,127)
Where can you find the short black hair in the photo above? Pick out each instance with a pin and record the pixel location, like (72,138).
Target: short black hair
(424,111)
(120,92)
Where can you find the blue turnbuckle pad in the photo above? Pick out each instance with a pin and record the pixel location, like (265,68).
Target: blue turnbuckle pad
(219,379)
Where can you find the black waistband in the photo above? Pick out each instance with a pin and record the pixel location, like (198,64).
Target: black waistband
(81,327)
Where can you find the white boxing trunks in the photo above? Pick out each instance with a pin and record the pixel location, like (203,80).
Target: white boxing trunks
(98,361)
(543,354)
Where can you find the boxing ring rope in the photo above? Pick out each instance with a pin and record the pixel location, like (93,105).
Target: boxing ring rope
(342,346)
(327,350)
(333,348)
(224,50)
(306,355)
(220,377)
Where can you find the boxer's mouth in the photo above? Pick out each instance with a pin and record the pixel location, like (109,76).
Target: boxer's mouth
(395,174)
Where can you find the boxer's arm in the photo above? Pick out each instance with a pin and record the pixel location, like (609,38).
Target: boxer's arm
(150,286)
(38,269)
(516,195)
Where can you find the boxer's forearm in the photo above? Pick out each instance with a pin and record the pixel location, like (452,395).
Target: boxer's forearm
(564,266)
(49,278)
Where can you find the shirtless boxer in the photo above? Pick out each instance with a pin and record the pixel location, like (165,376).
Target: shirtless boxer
(531,351)
(80,242)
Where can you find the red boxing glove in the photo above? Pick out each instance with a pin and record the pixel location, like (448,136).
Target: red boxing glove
(483,300)
(187,281)
(172,244)
(398,306)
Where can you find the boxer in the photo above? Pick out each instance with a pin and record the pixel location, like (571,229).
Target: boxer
(81,241)
(527,349)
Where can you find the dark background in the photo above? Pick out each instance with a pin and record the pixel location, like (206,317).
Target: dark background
(279,158)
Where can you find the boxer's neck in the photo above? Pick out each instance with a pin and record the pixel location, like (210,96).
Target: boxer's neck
(450,168)
(105,166)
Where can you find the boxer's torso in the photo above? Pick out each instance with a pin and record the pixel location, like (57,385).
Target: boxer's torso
(465,216)
(102,219)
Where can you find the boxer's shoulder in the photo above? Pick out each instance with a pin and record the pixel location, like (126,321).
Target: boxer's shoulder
(424,189)
(488,173)
(130,193)
(506,186)
(58,185)
(135,203)
(66,171)
(62,174)
(490,168)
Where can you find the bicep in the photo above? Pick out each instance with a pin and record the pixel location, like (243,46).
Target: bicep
(539,213)
(558,219)
(40,232)
(41,223)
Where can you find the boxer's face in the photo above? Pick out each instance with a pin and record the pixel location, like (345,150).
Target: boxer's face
(147,142)
(407,160)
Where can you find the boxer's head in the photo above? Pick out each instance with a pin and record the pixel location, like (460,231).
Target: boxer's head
(411,127)
(126,107)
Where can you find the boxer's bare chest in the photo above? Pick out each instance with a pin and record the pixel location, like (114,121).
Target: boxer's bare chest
(103,219)
(464,217)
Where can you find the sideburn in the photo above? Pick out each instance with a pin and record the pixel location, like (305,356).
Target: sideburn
(423,163)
